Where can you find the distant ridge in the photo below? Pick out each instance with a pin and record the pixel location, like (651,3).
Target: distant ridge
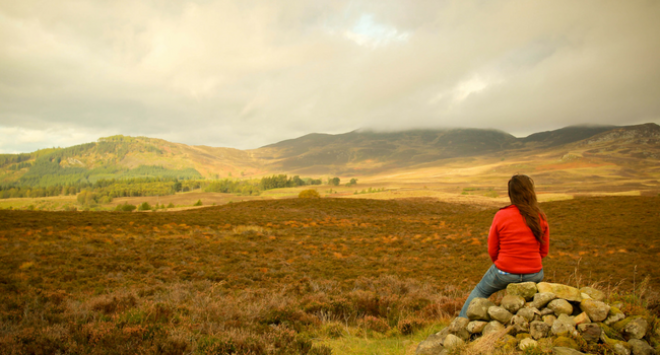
(356,152)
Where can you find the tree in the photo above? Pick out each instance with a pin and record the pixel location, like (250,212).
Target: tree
(334,181)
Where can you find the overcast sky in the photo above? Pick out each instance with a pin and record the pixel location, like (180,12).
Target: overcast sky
(246,73)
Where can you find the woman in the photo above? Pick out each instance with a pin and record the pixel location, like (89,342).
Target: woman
(518,240)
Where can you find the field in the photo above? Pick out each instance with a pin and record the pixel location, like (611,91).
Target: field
(286,276)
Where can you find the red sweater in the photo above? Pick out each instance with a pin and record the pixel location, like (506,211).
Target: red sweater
(512,245)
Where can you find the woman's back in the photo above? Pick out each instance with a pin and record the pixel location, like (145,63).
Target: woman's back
(512,245)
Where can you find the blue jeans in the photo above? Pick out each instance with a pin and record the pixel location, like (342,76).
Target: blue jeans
(494,281)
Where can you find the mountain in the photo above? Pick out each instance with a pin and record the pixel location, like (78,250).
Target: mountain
(314,153)
(350,154)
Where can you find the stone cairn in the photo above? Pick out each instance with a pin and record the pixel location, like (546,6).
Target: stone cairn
(546,315)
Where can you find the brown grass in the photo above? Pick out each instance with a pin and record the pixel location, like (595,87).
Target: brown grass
(243,275)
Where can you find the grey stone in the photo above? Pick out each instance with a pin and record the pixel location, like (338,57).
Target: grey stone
(546,311)
(549,319)
(492,327)
(527,313)
(593,293)
(512,303)
(614,316)
(590,332)
(542,299)
(562,291)
(641,347)
(636,328)
(429,348)
(520,324)
(560,350)
(582,318)
(539,330)
(499,314)
(621,349)
(596,310)
(527,342)
(560,306)
(525,290)
(478,309)
(458,328)
(433,343)
(564,325)
(452,341)
(476,326)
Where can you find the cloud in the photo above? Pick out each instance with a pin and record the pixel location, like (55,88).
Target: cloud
(246,74)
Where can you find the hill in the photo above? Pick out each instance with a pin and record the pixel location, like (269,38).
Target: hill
(572,159)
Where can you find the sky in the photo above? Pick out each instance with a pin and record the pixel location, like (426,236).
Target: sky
(245,74)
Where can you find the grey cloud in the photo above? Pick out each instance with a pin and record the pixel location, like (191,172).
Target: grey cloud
(249,73)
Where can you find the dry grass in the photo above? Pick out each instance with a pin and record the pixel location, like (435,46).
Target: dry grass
(244,274)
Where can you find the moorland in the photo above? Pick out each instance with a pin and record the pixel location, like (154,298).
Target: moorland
(288,276)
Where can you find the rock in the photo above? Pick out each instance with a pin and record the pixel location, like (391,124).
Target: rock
(546,311)
(542,299)
(620,347)
(499,314)
(565,342)
(520,324)
(512,303)
(539,330)
(527,343)
(641,347)
(527,313)
(521,336)
(593,293)
(429,348)
(585,296)
(433,343)
(507,343)
(492,327)
(452,341)
(609,332)
(525,290)
(581,318)
(590,332)
(560,350)
(596,310)
(458,328)
(563,326)
(614,316)
(478,309)
(634,328)
(476,326)
(549,319)
(560,306)
(562,291)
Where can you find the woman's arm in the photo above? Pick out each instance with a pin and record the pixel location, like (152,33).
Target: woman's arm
(494,240)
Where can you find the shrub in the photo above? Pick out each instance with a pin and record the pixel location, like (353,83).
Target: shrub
(374,323)
(198,203)
(309,194)
(125,207)
(171,205)
(410,325)
(145,206)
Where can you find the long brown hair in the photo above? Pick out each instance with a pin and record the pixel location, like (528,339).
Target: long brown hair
(522,195)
